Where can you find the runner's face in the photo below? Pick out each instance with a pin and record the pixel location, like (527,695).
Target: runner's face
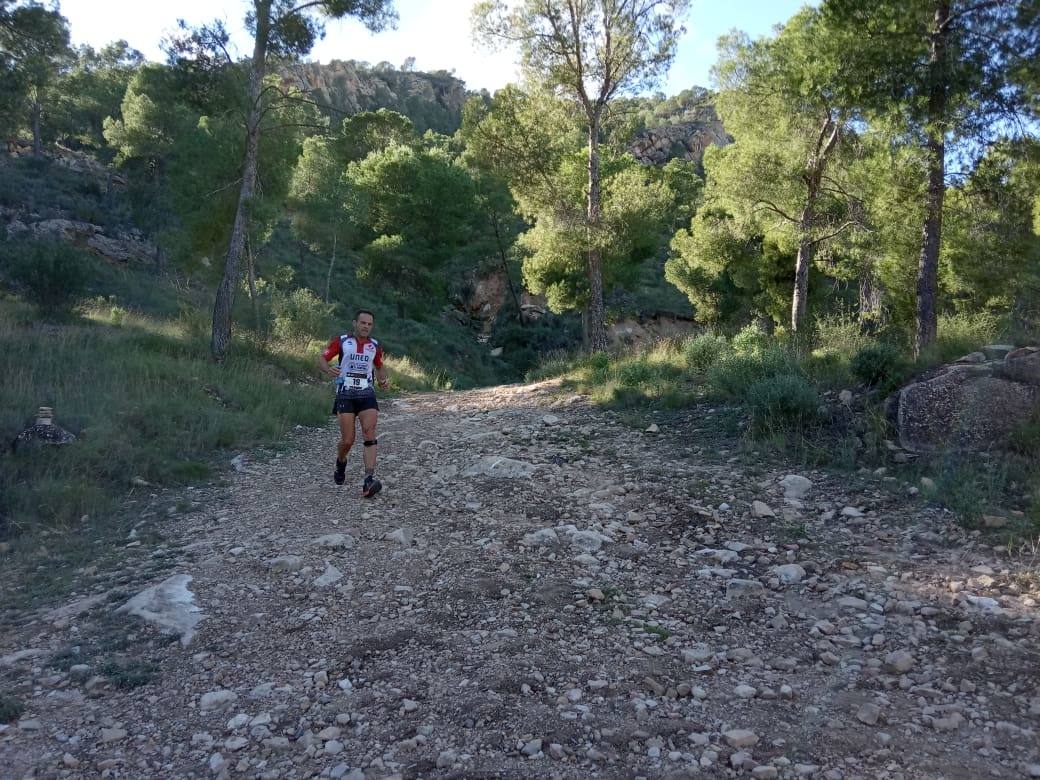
(363,325)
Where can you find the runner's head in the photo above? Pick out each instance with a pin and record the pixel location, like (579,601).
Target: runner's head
(363,322)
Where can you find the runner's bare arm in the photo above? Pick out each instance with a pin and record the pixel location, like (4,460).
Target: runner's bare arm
(381,377)
(323,364)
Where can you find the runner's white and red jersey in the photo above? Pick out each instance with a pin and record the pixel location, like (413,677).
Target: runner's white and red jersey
(357,356)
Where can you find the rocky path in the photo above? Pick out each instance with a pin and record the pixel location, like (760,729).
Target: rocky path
(540,591)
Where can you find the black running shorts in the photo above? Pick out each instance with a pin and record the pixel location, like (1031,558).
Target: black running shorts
(353,404)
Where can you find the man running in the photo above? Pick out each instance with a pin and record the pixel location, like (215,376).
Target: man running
(358,356)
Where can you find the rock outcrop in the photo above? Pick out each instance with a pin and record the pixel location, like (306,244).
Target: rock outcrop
(433,101)
(973,404)
(122,247)
(686,140)
(74,160)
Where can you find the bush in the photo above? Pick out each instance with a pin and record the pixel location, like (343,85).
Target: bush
(751,340)
(301,316)
(734,374)
(959,334)
(879,364)
(782,402)
(703,351)
(828,370)
(51,274)
(840,334)
(10,708)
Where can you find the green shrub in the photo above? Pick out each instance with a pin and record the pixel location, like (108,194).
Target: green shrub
(51,274)
(1025,439)
(732,375)
(840,334)
(196,324)
(10,708)
(703,351)
(782,402)
(879,364)
(301,316)
(828,370)
(751,340)
(959,334)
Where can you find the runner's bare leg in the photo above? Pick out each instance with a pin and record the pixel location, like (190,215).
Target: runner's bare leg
(369,418)
(347,432)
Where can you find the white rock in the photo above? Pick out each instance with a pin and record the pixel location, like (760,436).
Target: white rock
(588,541)
(738,589)
(795,486)
(500,468)
(740,738)
(697,654)
(532,748)
(403,536)
(722,556)
(762,509)
(217,700)
(789,573)
(655,600)
(113,734)
(286,563)
(168,605)
(330,577)
(899,662)
(336,541)
(869,713)
(744,691)
(540,538)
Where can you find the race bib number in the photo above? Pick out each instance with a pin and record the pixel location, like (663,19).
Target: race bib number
(356,383)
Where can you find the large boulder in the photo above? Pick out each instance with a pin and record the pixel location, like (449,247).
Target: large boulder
(1022,365)
(970,405)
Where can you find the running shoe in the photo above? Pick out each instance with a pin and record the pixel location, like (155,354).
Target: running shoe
(371,487)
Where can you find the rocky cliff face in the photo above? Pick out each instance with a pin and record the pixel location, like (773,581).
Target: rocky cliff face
(433,101)
(686,140)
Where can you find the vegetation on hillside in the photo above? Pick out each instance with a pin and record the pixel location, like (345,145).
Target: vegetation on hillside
(884,174)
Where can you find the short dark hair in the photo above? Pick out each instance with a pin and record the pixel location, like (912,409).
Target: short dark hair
(359,312)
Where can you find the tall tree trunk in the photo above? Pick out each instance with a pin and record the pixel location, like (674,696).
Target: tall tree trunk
(505,267)
(935,147)
(332,262)
(806,250)
(869,299)
(254,299)
(35,114)
(221,338)
(597,331)
(827,139)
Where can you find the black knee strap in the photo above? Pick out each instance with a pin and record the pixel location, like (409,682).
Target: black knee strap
(371,442)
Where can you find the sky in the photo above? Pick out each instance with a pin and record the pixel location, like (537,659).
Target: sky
(435,32)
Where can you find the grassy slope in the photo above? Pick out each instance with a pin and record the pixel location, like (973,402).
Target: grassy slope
(714,369)
(129,372)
